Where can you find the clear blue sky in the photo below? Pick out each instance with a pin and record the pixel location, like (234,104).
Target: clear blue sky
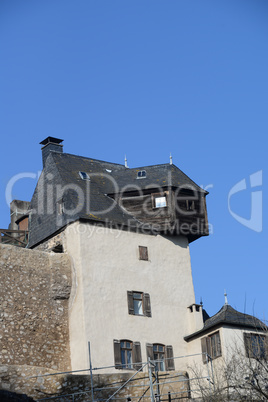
(145,78)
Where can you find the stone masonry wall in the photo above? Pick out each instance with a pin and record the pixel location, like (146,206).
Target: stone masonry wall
(35,288)
(34,340)
(40,385)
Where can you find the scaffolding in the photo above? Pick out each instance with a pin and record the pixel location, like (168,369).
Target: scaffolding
(145,385)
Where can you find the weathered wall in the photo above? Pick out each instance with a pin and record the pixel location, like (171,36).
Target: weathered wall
(107,265)
(35,288)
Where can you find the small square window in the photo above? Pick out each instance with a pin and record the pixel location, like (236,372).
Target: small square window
(141,174)
(143,253)
(84,176)
(139,303)
(159,200)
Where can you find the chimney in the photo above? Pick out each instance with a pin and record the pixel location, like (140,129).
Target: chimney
(50,144)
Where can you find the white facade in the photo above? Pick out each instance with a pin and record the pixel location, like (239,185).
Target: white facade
(106,265)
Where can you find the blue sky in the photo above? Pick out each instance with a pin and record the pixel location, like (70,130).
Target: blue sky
(146,78)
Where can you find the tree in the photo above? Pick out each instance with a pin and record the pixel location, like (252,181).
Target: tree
(241,375)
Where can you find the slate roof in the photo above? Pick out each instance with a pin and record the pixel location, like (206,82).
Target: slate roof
(105,179)
(156,175)
(228,316)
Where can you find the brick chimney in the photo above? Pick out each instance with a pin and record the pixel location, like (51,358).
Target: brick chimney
(50,144)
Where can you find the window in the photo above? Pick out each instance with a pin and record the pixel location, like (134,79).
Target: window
(60,207)
(256,345)
(141,174)
(143,253)
(127,354)
(159,200)
(189,205)
(84,176)
(139,303)
(161,355)
(211,345)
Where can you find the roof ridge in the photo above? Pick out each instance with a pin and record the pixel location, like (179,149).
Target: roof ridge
(86,157)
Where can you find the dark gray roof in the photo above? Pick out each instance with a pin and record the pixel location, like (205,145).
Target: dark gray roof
(162,176)
(228,316)
(107,174)
(109,178)
(106,179)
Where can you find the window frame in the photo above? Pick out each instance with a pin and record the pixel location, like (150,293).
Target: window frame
(126,354)
(168,360)
(250,348)
(212,350)
(141,174)
(190,205)
(143,253)
(159,356)
(84,175)
(155,196)
(146,303)
(135,354)
(138,303)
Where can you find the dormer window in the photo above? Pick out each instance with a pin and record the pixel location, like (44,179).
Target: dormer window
(141,174)
(84,176)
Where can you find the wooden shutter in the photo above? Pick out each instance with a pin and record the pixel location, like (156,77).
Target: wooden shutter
(130,302)
(218,344)
(147,305)
(170,360)
(117,354)
(149,350)
(247,341)
(137,355)
(204,349)
(209,349)
(143,253)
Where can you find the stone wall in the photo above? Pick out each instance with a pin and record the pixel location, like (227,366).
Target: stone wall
(34,325)
(34,335)
(42,384)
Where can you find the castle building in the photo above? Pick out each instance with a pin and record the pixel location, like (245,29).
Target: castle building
(125,283)
(128,233)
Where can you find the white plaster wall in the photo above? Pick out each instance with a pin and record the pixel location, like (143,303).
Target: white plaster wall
(233,339)
(107,265)
(232,345)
